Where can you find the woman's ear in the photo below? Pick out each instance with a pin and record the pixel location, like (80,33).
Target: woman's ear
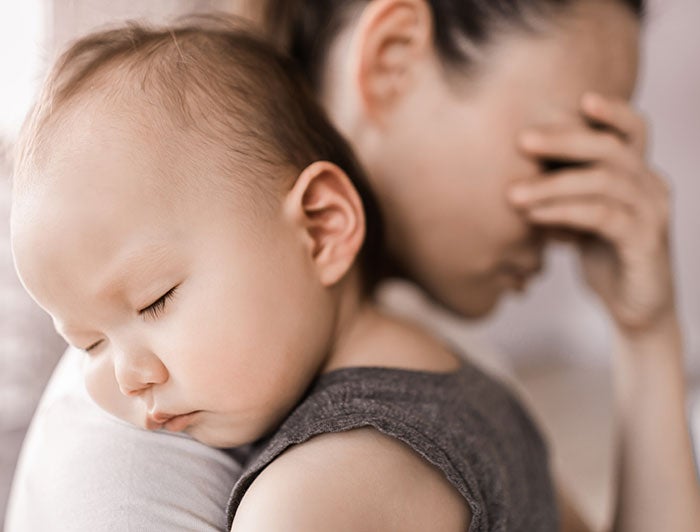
(328,210)
(391,37)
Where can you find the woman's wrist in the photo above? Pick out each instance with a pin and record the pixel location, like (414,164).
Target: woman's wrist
(661,336)
(649,362)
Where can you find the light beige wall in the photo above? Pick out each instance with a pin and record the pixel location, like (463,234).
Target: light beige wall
(670,93)
(72,18)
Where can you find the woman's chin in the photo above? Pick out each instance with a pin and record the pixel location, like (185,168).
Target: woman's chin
(471,302)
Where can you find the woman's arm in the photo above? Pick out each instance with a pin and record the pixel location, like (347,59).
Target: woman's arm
(657,482)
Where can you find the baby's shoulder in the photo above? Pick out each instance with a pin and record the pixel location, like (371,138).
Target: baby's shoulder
(354,480)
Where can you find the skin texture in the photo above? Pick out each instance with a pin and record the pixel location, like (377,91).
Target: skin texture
(343,472)
(457,162)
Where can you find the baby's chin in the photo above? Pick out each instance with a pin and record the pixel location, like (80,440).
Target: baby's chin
(218,438)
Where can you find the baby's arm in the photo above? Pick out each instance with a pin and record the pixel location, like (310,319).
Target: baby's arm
(355,480)
(83,470)
(623,207)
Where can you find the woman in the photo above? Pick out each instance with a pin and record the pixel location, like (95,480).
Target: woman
(486,129)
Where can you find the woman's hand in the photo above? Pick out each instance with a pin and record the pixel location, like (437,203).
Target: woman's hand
(613,201)
(619,209)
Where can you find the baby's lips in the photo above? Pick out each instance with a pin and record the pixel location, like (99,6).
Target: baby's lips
(151,424)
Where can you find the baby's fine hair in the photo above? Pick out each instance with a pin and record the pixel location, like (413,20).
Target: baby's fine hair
(306,30)
(212,78)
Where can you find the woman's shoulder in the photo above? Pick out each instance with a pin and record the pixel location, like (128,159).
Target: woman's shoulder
(357,479)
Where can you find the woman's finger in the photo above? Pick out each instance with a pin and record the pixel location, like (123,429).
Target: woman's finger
(607,219)
(579,144)
(572,184)
(617,115)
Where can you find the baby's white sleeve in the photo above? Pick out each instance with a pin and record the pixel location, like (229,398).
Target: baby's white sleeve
(83,470)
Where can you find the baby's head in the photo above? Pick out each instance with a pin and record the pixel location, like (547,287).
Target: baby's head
(434,95)
(186,214)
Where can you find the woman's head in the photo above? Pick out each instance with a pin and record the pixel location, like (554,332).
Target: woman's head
(309,29)
(434,97)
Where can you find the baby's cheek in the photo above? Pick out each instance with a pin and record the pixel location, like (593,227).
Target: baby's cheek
(103,389)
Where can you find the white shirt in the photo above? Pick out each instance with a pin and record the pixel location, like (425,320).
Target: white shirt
(84,470)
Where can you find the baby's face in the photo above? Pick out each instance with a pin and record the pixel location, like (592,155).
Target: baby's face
(196,312)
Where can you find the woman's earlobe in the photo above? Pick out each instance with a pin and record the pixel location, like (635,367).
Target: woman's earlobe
(325,205)
(392,36)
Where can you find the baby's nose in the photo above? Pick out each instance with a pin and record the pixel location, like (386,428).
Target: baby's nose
(138,371)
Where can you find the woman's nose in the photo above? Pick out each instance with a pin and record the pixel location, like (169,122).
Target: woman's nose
(137,370)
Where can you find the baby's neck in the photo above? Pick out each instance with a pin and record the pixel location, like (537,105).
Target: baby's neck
(368,336)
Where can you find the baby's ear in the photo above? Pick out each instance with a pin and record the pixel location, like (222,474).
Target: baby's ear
(325,205)
(391,36)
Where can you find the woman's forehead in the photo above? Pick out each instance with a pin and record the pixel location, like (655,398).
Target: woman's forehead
(596,51)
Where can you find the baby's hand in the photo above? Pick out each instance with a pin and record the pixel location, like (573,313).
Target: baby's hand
(618,205)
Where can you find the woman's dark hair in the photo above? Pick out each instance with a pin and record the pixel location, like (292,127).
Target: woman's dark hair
(305,30)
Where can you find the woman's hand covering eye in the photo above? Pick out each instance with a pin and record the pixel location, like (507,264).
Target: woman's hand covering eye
(616,203)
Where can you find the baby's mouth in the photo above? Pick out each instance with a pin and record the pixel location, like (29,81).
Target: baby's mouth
(156,420)
(170,422)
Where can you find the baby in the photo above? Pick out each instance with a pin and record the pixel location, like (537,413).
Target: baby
(189,218)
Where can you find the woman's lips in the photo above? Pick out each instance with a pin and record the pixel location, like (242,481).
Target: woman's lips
(517,276)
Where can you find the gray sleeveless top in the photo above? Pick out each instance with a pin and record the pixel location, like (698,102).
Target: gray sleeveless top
(464,422)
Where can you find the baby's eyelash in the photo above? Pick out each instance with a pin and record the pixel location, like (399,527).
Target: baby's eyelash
(92,346)
(156,308)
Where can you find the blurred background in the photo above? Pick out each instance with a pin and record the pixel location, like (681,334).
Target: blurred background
(553,342)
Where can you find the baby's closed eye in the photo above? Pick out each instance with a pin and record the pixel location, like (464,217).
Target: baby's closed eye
(155,309)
